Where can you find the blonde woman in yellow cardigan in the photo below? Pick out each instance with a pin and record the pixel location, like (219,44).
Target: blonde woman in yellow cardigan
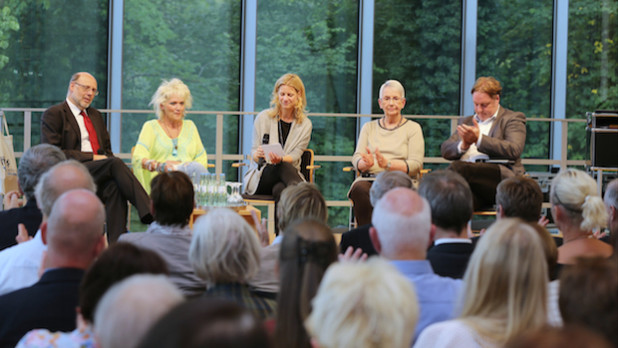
(170,141)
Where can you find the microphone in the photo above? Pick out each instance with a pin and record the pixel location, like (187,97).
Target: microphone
(265,140)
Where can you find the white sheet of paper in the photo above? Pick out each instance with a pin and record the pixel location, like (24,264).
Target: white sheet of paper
(272,148)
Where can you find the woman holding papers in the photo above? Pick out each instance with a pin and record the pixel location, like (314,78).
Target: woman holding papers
(280,135)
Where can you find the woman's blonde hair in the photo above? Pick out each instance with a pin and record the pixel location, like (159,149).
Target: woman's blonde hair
(294,81)
(301,201)
(577,193)
(167,89)
(366,305)
(224,248)
(505,282)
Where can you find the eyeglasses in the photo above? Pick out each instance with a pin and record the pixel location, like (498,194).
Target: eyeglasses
(389,99)
(87,88)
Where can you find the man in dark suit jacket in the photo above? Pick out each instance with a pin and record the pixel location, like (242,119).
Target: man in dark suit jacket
(73,241)
(358,238)
(450,199)
(35,161)
(79,130)
(492,134)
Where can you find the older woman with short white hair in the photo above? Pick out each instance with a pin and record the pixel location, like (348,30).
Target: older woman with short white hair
(225,252)
(170,140)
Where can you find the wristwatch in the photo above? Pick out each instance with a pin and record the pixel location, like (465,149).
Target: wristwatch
(388,165)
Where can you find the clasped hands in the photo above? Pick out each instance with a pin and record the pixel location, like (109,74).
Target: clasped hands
(368,159)
(152,165)
(469,134)
(274,159)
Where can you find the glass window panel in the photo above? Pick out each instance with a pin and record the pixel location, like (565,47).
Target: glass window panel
(419,43)
(318,41)
(514,45)
(196,41)
(592,80)
(42,43)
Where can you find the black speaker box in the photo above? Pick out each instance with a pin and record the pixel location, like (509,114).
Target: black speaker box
(602,138)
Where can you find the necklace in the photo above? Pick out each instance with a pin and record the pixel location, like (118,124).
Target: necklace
(395,127)
(171,132)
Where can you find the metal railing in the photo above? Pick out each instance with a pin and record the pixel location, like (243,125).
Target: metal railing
(219,156)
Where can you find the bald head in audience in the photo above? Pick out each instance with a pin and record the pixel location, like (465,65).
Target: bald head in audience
(401,225)
(62,177)
(128,310)
(73,231)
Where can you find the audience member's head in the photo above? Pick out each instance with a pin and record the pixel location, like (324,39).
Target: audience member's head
(401,225)
(549,248)
(386,181)
(589,296)
(170,89)
(62,177)
(519,197)
(172,198)
(611,205)
(34,162)
(505,282)
(569,336)
(301,201)
(74,239)
(367,304)
(450,199)
(307,249)
(116,263)
(224,248)
(128,310)
(207,322)
(576,202)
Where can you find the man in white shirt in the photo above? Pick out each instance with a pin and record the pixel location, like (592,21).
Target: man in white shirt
(20,264)
(487,146)
(78,129)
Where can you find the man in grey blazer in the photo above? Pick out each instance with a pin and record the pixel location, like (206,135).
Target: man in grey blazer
(487,146)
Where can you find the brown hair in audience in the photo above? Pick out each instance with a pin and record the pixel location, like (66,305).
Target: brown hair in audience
(589,295)
(569,336)
(519,197)
(117,262)
(172,198)
(307,249)
(207,322)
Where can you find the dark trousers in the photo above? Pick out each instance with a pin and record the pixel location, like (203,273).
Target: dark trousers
(116,185)
(483,179)
(275,178)
(359,194)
